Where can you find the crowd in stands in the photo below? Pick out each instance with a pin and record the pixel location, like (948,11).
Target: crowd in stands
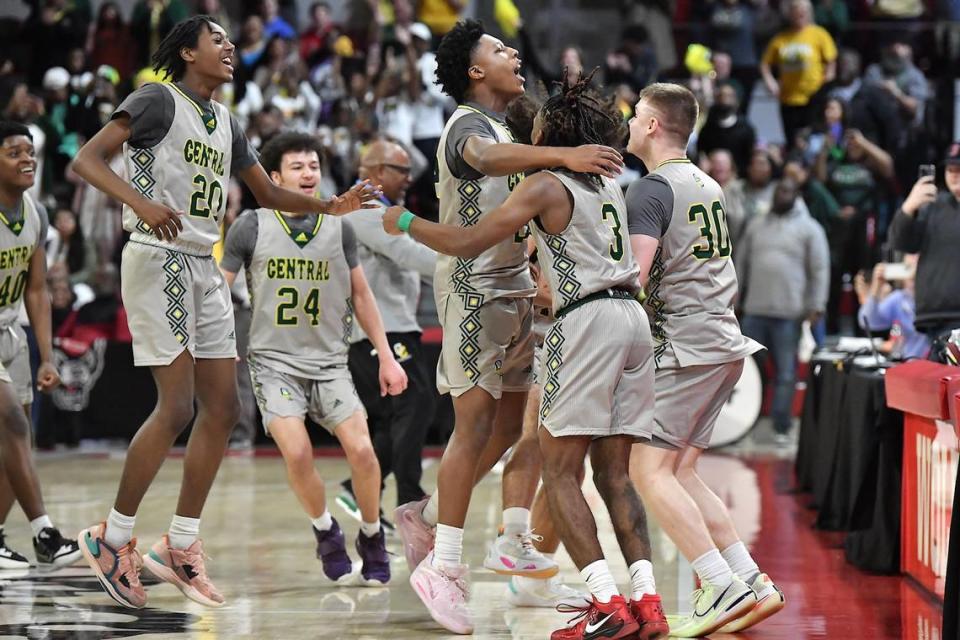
(862,90)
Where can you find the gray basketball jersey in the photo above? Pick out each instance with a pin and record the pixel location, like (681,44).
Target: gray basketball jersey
(692,288)
(188,171)
(499,272)
(593,252)
(299,286)
(18,241)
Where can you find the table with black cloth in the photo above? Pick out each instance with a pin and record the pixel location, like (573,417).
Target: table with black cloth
(849,459)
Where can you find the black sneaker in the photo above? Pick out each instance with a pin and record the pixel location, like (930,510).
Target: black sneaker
(53,550)
(10,559)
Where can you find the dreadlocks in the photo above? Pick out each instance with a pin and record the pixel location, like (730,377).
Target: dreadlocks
(577,115)
(166,59)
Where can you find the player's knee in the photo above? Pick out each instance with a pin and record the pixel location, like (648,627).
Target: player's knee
(609,481)
(363,458)
(687,476)
(299,460)
(176,414)
(14,420)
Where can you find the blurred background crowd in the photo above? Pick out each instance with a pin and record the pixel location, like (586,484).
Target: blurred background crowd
(816,118)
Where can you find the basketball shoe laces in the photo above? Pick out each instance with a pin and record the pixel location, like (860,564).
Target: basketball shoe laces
(197,560)
(136,563)
(527,538)
(582,612)
(451,586)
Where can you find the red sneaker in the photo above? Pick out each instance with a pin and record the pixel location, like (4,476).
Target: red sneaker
(648,612)
(607,620)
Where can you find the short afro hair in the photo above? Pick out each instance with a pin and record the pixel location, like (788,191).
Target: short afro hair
(271,156)
(9,128)
(453,58)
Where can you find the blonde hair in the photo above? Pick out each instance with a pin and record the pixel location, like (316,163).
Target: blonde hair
(676,108)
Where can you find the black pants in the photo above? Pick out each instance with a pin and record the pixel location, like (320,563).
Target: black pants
(398,424)
(794,119)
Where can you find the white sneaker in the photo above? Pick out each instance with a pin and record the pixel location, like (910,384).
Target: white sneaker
(770,600)
(515,555)
(713,608)
(545,594)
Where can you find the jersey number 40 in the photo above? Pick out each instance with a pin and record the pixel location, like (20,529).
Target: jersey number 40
(714,238)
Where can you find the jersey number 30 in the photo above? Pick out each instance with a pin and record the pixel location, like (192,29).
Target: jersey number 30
(291,300)
(714,237)
(612,219)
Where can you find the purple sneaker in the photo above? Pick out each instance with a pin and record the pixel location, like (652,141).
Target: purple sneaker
(332,551)
(376,562)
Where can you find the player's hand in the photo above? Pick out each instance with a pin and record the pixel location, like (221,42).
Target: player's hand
(923,193)
(594,158)
(162,220)
(359,196)
(47,377)
(393,379)
(390,218)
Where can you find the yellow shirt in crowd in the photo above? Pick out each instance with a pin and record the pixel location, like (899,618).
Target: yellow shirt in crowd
(800,58)
(439,15)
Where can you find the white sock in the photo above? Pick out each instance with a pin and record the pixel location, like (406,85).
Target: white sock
(712,568)
(431,510)
(323,522)
(741,563)
(448,546)
(641,579)
(516,520)
(370,529)
(183,531)
(39,524)
(119,529)
(599,580)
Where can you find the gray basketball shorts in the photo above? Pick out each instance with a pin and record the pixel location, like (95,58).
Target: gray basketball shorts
(329,403)
(15,362)
(597,372)
(490,346)
(689,399)
(175,301)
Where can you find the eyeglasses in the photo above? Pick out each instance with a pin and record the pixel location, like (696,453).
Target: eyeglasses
(399,168)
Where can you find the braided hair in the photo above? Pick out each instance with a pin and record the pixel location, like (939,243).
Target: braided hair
(578,115)
(185,34)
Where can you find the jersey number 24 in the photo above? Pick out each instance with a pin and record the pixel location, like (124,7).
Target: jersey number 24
(714,238)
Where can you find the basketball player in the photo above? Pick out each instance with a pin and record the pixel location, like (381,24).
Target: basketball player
(593,399)
(305,283)
(679,235)
(485,310)
(179,148)
(23,278)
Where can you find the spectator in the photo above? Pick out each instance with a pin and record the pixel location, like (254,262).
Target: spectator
(655,16)
(928,223)
(723,169)
(827,132)
(277,57)
(440,15)
(109,41)
(53,28)
(571,60)
(252,44)
(804,56)
(316,43)
(758,187)
(886,307)
(731,26)
(726,128)
(834,16)
(871,109)
(784,271)
(72,249)
(273,23)
(896,74)
(151,21)
(214,9)
(821,204)
(428,121)
(398,92)
(62,142)
(634,63)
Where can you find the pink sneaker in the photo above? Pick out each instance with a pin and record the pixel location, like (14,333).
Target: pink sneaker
(416,534)
(184,569)
(118,570)
(445,593)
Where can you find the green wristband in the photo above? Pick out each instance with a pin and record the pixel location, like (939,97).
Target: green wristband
(404,221)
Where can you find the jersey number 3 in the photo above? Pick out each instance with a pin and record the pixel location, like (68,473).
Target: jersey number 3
(714,238)
(612,219)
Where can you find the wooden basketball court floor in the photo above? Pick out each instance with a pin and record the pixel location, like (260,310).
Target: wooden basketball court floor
(262,558)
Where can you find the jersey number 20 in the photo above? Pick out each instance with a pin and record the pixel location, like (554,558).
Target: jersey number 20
(208,196)
(714,237)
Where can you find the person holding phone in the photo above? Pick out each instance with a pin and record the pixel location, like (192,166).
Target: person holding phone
(887,302)
(928,223)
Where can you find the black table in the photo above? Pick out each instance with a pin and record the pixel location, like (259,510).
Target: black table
(850,459)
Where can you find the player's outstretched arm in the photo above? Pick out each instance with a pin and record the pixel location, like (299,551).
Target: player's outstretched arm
(501,159)
(361,196)
(37,302)
(92,164)
(393,379)
(531,197)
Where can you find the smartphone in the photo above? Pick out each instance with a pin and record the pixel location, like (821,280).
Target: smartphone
(928,170)
(896,271)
